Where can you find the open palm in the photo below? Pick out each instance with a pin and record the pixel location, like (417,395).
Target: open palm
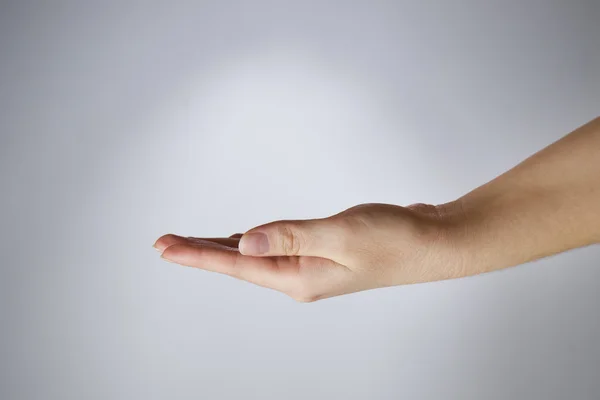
(366,246)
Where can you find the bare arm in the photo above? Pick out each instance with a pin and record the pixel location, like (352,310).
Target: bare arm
(548,204)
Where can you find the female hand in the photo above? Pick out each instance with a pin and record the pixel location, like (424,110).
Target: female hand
(548,204)
(364,247)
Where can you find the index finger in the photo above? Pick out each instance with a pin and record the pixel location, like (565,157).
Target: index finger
(261,271)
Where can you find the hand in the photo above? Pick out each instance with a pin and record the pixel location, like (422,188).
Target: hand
(547,204)
(364,247)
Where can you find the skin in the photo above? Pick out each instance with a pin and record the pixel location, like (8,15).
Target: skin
(548,204)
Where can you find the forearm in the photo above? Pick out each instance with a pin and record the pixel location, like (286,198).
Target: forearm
(548,204)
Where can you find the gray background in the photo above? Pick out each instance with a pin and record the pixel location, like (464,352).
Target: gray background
(122,121)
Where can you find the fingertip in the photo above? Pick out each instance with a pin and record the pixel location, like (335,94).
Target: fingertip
(166,258)
(173,252)
(167,240)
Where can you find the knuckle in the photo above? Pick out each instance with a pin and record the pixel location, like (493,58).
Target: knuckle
(290,240)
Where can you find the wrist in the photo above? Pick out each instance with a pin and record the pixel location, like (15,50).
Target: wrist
(454,240)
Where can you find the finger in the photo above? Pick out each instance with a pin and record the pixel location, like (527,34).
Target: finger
(303,278)
(229,242)
(168,240)
(261,271)
(316,237)
(236,235)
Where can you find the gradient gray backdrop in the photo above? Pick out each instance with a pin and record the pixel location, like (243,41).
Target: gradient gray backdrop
(122,121)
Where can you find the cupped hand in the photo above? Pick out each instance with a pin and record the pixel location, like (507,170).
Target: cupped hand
(364,247)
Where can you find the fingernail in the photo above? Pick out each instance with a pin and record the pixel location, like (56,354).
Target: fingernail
(254,243)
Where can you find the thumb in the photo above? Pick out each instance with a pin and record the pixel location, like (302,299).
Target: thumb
(314,237)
